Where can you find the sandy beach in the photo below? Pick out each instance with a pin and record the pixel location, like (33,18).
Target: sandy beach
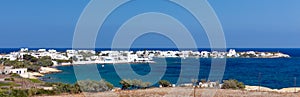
(46,70)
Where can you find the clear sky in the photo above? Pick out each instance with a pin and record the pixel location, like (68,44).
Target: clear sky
(246,24)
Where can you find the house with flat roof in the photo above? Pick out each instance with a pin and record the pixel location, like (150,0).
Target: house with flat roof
(10,70)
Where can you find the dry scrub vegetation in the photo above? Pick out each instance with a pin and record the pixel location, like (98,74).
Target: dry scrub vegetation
(182,92)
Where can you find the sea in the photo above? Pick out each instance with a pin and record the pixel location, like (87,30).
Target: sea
(275,73)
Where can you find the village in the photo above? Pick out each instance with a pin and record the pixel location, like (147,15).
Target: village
(77,57)
(23,69)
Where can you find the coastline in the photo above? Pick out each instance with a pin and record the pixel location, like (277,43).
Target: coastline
(179,92)
(152,62)
(247,87)
(88,63)
(119,57)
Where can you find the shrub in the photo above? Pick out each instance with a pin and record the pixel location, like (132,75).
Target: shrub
(35,80)
(164,83)
(232,84)
(7,84)
(109,85)
(125,84)
(45,92)
(134,84)
(58,89)
(145,85)
(45,61)
(203,81)
(32,91)
(62,88)
(63,61)
(29,58)
(75,89)
(9,79)
(33,68)
(94,86)
(15,75)
(19,93)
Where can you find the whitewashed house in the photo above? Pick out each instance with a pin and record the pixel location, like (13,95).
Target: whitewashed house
(60,57)
(204,54)
(131,57)
(232,53)
(10,70)
(10,57)
(42,50)
(52,51)
(24,50)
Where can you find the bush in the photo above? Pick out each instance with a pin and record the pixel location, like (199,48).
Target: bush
(45,61)
(94,86)
(134,84)
(62,88)
(63,61)
(33,68)
(10,92)
(58,89)
(164,83)
(109,85)
(75,89)
(203,80)
(232,84)
(35,80)
(30,58)
(44,92)
(125,84)
(7,84)
(15,75)
(9,79)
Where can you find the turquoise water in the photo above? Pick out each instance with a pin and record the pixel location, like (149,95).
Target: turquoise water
(275,73)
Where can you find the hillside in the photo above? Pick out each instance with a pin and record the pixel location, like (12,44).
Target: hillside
(182,92)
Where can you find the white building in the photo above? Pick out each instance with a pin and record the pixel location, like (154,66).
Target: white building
(185,54)
(10,70)
(232,53)
(87,51)
(60,57)
(42,50)
(24,50)
(71,51)
(79,57)
(52,51)
(169,54)
(131,57)
(251,52)
(205,54)
(10,57)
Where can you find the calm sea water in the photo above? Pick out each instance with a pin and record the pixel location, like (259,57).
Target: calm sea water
(275,73)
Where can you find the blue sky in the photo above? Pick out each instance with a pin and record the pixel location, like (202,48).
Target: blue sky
(246,24)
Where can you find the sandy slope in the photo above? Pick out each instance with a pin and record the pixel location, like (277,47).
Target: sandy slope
(183,92)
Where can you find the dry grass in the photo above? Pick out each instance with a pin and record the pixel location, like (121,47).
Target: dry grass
(183,92)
